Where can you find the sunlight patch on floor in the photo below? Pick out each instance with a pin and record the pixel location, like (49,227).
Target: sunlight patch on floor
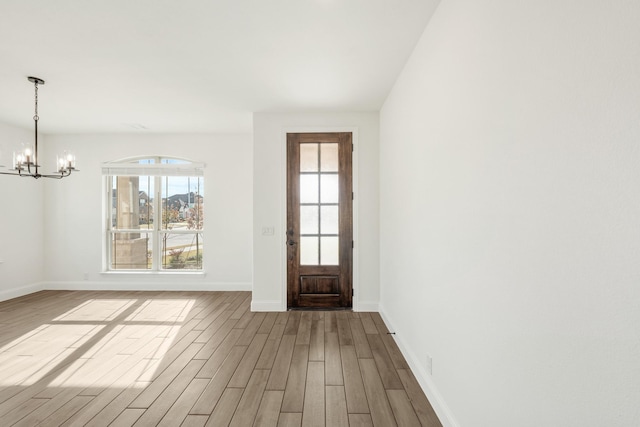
(99,343)
(30,359)
(162,310)
(97,310)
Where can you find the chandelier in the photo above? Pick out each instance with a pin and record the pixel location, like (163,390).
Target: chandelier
(25,163)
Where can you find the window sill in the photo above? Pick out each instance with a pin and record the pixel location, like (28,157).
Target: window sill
(154,273)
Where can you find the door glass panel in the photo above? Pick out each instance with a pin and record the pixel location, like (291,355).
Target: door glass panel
(329,250)
(308,188)
(308,157)
(309,219)
(329,188)
(329,220)
(329,157)
(309,250)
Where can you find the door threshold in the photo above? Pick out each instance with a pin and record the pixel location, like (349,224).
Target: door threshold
(319,308)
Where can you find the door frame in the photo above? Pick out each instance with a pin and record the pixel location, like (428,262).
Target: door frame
(281,235)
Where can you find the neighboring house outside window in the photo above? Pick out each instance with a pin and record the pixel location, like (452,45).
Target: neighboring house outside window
(155,215)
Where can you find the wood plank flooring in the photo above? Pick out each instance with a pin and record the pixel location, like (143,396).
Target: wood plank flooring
(198,359)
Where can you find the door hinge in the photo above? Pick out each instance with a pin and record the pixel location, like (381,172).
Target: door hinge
(352,196)
(352,244)
(351,291)
(352,147)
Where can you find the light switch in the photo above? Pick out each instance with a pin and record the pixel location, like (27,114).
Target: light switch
(268,231)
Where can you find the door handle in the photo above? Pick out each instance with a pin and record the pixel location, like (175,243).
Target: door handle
(290,242)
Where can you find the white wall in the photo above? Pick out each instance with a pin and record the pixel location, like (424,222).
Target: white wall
(510,212)
(21,250)
(269,201)
(74,224)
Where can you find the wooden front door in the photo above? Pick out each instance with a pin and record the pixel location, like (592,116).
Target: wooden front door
(319,220)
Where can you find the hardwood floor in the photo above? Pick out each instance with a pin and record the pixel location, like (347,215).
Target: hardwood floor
(198,359)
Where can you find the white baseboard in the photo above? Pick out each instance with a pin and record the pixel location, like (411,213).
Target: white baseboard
(21,291)
(367,306)
(428,386)
(146,286)
(267,306)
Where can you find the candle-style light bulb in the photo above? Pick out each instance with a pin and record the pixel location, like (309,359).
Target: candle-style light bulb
(71,161)
(27,155)
(60,162)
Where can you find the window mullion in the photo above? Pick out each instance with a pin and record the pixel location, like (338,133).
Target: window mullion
(157,224)
(109,224)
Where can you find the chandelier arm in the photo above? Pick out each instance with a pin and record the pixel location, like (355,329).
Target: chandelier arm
(53,176)
(20,174)
(37,176)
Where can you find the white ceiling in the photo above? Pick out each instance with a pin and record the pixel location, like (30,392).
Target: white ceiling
(198,65)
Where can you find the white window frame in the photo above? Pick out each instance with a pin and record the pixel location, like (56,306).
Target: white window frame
(157,170)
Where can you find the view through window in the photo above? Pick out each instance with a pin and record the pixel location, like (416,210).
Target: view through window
(156,216)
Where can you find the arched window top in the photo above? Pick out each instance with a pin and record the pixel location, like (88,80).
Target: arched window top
(153,166)
(152,160)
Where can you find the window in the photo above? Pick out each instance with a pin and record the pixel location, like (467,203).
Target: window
(155,214)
